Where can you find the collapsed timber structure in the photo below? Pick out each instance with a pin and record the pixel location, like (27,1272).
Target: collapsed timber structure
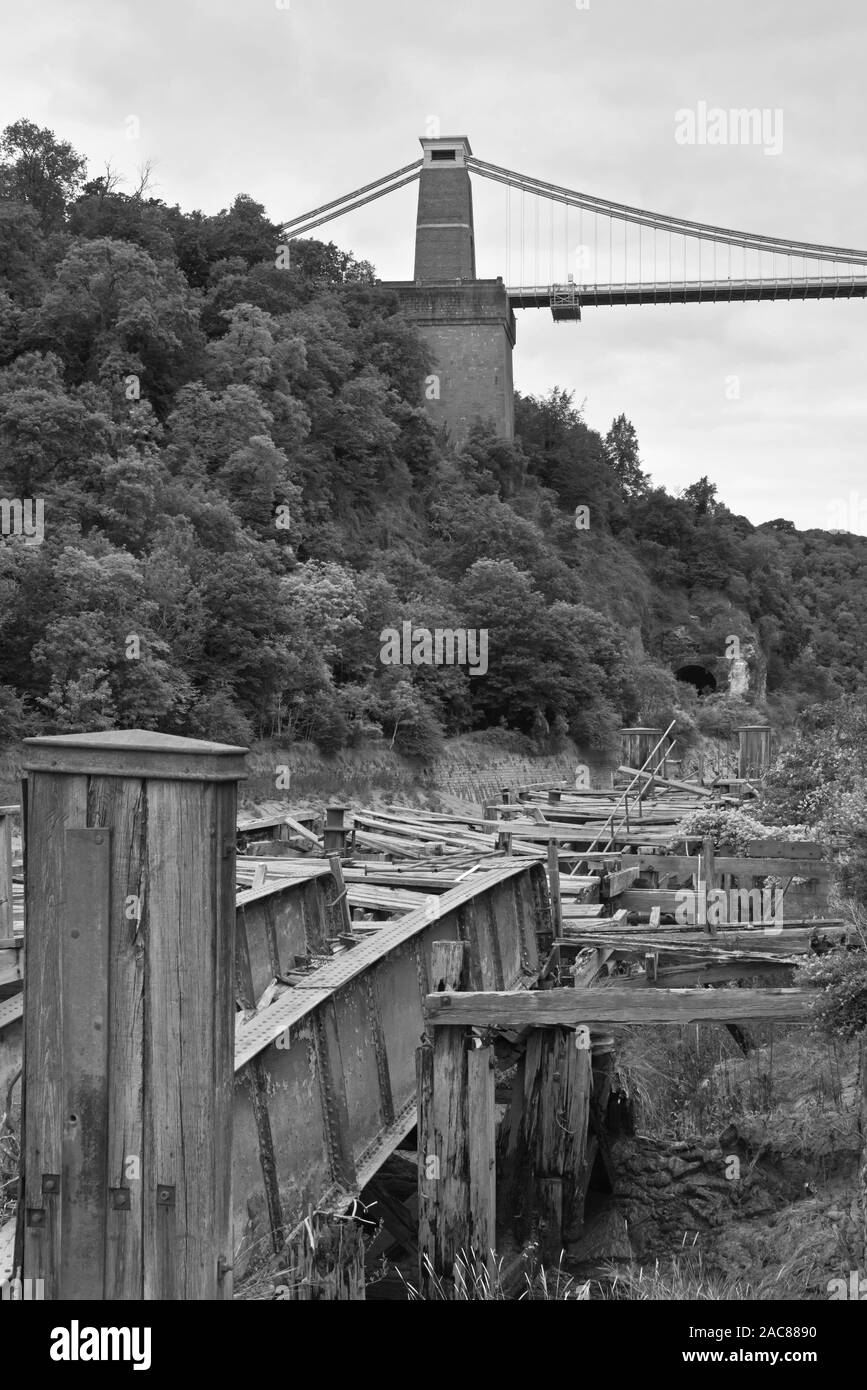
(404,1019)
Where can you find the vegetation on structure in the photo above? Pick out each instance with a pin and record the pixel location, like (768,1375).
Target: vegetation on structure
(242,490)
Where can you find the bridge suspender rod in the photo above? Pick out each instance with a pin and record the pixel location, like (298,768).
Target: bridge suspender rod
(750,240)
(339,203)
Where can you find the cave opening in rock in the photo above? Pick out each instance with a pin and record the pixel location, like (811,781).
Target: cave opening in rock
(697,676)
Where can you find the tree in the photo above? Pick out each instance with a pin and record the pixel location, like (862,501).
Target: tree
(326,265)
(39,169)
(702,497)
(113,311)
(621,448)
(22,248)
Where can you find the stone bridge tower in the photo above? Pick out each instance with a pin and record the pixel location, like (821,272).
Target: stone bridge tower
(468,322)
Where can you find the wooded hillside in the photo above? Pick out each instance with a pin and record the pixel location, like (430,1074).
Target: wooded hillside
(242,491)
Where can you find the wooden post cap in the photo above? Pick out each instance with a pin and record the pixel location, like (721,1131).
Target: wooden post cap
(136,753)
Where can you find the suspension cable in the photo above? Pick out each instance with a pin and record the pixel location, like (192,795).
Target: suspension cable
(644,217)
(413,169)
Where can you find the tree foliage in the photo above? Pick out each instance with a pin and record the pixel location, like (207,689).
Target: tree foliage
(242,491)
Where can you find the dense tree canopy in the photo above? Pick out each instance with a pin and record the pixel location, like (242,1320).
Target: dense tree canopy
(242,491)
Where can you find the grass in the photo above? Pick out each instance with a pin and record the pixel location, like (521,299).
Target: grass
(686,1278)
(475,1282)
(9,1153)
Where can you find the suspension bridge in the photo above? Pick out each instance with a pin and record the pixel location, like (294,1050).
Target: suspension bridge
(564,251)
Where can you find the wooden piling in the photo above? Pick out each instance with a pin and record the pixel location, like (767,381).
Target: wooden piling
(504,839)
(445,1222)
(482,1157)
(554,887)
(707,884)
(129,1016)
(754,750)
(543,1141)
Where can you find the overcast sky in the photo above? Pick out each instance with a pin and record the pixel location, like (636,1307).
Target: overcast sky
(297,101)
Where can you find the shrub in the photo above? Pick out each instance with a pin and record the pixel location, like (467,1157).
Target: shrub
(841,1009)
(732,830)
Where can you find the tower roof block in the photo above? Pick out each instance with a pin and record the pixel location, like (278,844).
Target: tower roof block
(446,150)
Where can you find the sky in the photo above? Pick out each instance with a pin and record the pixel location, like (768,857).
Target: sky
(296,102)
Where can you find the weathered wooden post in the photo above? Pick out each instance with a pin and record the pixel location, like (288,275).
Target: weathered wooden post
(129,1016)
(456,1143)
(543,1139)
(754,750)
(707,884)
(6,813)
(554,887)
(504,839)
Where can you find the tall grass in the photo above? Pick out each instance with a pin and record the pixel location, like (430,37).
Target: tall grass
(475,1281)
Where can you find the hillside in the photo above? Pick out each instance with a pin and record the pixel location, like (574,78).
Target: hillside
(243,495)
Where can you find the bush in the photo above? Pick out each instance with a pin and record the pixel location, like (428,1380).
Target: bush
(14,719)
(732,831)
(718,716)
(216,716)
(841,1009)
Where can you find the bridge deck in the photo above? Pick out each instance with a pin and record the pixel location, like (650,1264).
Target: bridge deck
(688,292)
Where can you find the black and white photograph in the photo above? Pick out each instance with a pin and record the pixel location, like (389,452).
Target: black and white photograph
(433,674)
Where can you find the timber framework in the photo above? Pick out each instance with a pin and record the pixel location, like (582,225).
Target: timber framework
(237,1041)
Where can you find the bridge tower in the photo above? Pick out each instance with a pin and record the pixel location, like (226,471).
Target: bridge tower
(468,323)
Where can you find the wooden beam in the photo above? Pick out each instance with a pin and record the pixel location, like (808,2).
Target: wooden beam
(787,849)
(554,887)
(301,830)
(618,881)
(792,941)
(707,879)
(667,781)
(742,866)
(571,1007)
(706,973)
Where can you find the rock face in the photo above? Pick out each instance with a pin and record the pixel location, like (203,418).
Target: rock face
(752,1201)
(747,671)
(669,1191)
(739,676)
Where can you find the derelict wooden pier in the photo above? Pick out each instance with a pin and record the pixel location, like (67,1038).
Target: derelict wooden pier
(275,1025)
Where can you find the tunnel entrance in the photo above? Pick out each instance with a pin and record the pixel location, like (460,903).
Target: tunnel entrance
(697,676)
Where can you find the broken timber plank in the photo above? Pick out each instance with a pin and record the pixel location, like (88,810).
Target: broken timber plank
(694,788)
(571,1007)
(618,881)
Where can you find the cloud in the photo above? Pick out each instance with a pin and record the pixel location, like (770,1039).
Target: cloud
(297,105)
